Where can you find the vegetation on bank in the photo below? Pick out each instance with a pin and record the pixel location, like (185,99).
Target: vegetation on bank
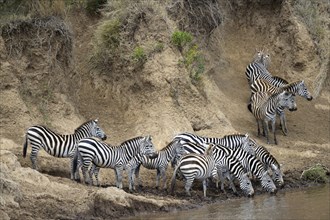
(317,173)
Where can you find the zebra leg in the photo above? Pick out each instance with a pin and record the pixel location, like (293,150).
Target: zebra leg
(96,174)
(273,130)
(131,175)
(119,182)
(258,127)
(137,175)
(33,156)
(188,185)
(91,172)
(283,124)
(84,171)
(157,178)
(163,175)
(204,187)
(266,130)
(231,182)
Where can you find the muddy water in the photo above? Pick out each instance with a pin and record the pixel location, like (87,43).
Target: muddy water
(307,204)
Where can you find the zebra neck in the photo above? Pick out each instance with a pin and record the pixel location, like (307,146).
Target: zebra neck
(292,87)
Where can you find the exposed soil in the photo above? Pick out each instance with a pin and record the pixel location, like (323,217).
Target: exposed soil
(158,100)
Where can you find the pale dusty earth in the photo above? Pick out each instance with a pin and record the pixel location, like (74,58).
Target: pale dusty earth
(158,100)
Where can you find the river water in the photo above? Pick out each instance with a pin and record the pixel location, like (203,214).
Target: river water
(312,203)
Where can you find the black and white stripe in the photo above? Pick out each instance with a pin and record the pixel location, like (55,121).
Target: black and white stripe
(269,161)
(297,88)
(195,166)
(264,105)
(231,141)
(227,164)
(102,155)
(258,68)
(169,153)
(59,145)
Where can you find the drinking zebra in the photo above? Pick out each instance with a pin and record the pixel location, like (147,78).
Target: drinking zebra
(263,107)
(298,88)
(269,161)
(226,164)
(249,162)
(172,150)
(102,155)
(59,145)
(195,166)
(232,141)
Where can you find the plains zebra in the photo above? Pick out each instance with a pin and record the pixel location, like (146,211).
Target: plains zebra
(102,155)
(232,141)
(250,163)
(258,68)
(59,145)
(269,161)
(196,166)
(298,88)
(167,154)
(226,164)
(263,107)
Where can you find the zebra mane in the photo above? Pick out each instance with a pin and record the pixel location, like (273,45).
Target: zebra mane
(168,145)
(85,123)
(131,140)
(232,135)
(270,155)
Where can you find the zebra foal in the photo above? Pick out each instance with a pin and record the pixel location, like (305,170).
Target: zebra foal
(101,155)
(173,150)
(59,145)
(195,166)
(263,107)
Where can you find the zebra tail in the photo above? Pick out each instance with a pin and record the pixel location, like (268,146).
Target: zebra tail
(249,107)
(25,146)
(75,162)
(174,179)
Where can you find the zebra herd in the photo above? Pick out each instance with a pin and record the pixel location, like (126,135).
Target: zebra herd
(234,156)
(271,95)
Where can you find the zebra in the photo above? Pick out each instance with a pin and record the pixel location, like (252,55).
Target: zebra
(298,88)
(258,68)
(102,155)
(269,161)
(59,145)
(172,150)
(263,107)
(232,141)
(195,166)
(226,164)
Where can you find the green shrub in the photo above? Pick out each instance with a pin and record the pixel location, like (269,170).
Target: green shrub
(317,173)
(194,62)
(158,47)
(107,34)
(139,55)
(181,38)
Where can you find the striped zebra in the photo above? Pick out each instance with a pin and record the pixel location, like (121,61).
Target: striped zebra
(160,163)
(269,161)
(195,166)
(249,162)
(59,145)
(298,88)
(102,155)
(232,141)
(263,107)
(226,164)
(258,69)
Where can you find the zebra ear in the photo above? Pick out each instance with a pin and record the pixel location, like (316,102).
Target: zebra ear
(96,120)
(274,167)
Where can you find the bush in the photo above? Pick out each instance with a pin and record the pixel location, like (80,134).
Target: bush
(317,173)
(108,34)
(139,55)
(93,6)
(181,38)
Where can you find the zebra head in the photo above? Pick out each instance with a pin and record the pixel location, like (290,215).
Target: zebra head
(267,183)
(246,185)
(96,131)
(303,91)
(287,100)
(248,145)
(179,151)
(147,148)
(277,175)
